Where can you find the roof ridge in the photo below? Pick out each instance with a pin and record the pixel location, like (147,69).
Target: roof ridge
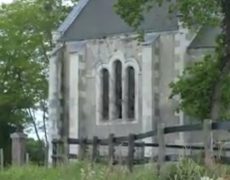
(72,16)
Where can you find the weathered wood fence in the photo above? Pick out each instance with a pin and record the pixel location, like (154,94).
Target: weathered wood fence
(1,159)
(130,142)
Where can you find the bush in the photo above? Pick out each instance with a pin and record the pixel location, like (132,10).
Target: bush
(36,151)
(185,169)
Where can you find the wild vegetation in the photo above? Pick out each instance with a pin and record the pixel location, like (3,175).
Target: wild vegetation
(185,170)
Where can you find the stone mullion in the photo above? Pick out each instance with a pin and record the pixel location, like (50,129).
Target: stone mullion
(124,94)
(112,109)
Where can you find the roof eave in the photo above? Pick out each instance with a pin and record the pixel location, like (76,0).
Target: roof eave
(71,17)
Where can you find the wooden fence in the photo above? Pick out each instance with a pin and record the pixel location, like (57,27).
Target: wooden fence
(1,159)
(130,142)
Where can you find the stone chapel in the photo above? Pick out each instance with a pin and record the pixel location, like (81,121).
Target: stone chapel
(103,80)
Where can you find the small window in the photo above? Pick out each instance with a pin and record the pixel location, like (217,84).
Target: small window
(118,89)
(130,93)
(105,93)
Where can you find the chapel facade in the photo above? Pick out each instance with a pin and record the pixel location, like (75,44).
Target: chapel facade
(103,80)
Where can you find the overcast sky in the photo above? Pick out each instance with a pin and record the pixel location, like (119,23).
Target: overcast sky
(65,2)
(5,1)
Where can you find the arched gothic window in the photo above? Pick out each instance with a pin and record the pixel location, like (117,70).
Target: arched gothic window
(105,94)
(113,100)
(130,92)
(117,69)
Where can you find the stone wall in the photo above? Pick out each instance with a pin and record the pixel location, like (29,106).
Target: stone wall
(102,52)
(158,61)
(95,53)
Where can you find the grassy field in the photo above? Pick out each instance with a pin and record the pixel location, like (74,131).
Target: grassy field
(79,171)
(185,170)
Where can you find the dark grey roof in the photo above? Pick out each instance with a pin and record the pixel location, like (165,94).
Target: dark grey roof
(72,15)
(96,19)
(206,38)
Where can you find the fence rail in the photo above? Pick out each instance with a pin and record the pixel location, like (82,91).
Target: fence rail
(130,142)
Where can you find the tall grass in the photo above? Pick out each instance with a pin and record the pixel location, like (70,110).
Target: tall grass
(78,171)
(184,170)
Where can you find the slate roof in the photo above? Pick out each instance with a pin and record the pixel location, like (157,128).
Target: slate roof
(91,19)
(206,38)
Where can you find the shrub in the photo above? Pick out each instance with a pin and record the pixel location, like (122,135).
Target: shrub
(185,169)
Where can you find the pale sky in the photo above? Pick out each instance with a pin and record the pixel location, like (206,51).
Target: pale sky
(5,1)
(65,2)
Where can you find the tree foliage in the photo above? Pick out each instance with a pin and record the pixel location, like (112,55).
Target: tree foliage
(36,151)
(26,38)
(204,87)
(194,87)
(191,12)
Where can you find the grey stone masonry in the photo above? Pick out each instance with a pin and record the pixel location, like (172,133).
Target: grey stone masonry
(18,148)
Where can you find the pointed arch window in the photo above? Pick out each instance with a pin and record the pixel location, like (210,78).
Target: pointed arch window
(117,69)
(130,92)
(105,94)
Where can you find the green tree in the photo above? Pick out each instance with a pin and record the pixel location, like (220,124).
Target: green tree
(26,39)
(204,87)
(36,152)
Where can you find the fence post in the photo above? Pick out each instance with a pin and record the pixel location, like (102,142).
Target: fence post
(142,153)
(57,150)
(130,159)
(65,150)
(18,148)
(208,142)
(1,159)
(82,148)
(54,153)
(27,158)
(111,148)
(94,149)
(161,148)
